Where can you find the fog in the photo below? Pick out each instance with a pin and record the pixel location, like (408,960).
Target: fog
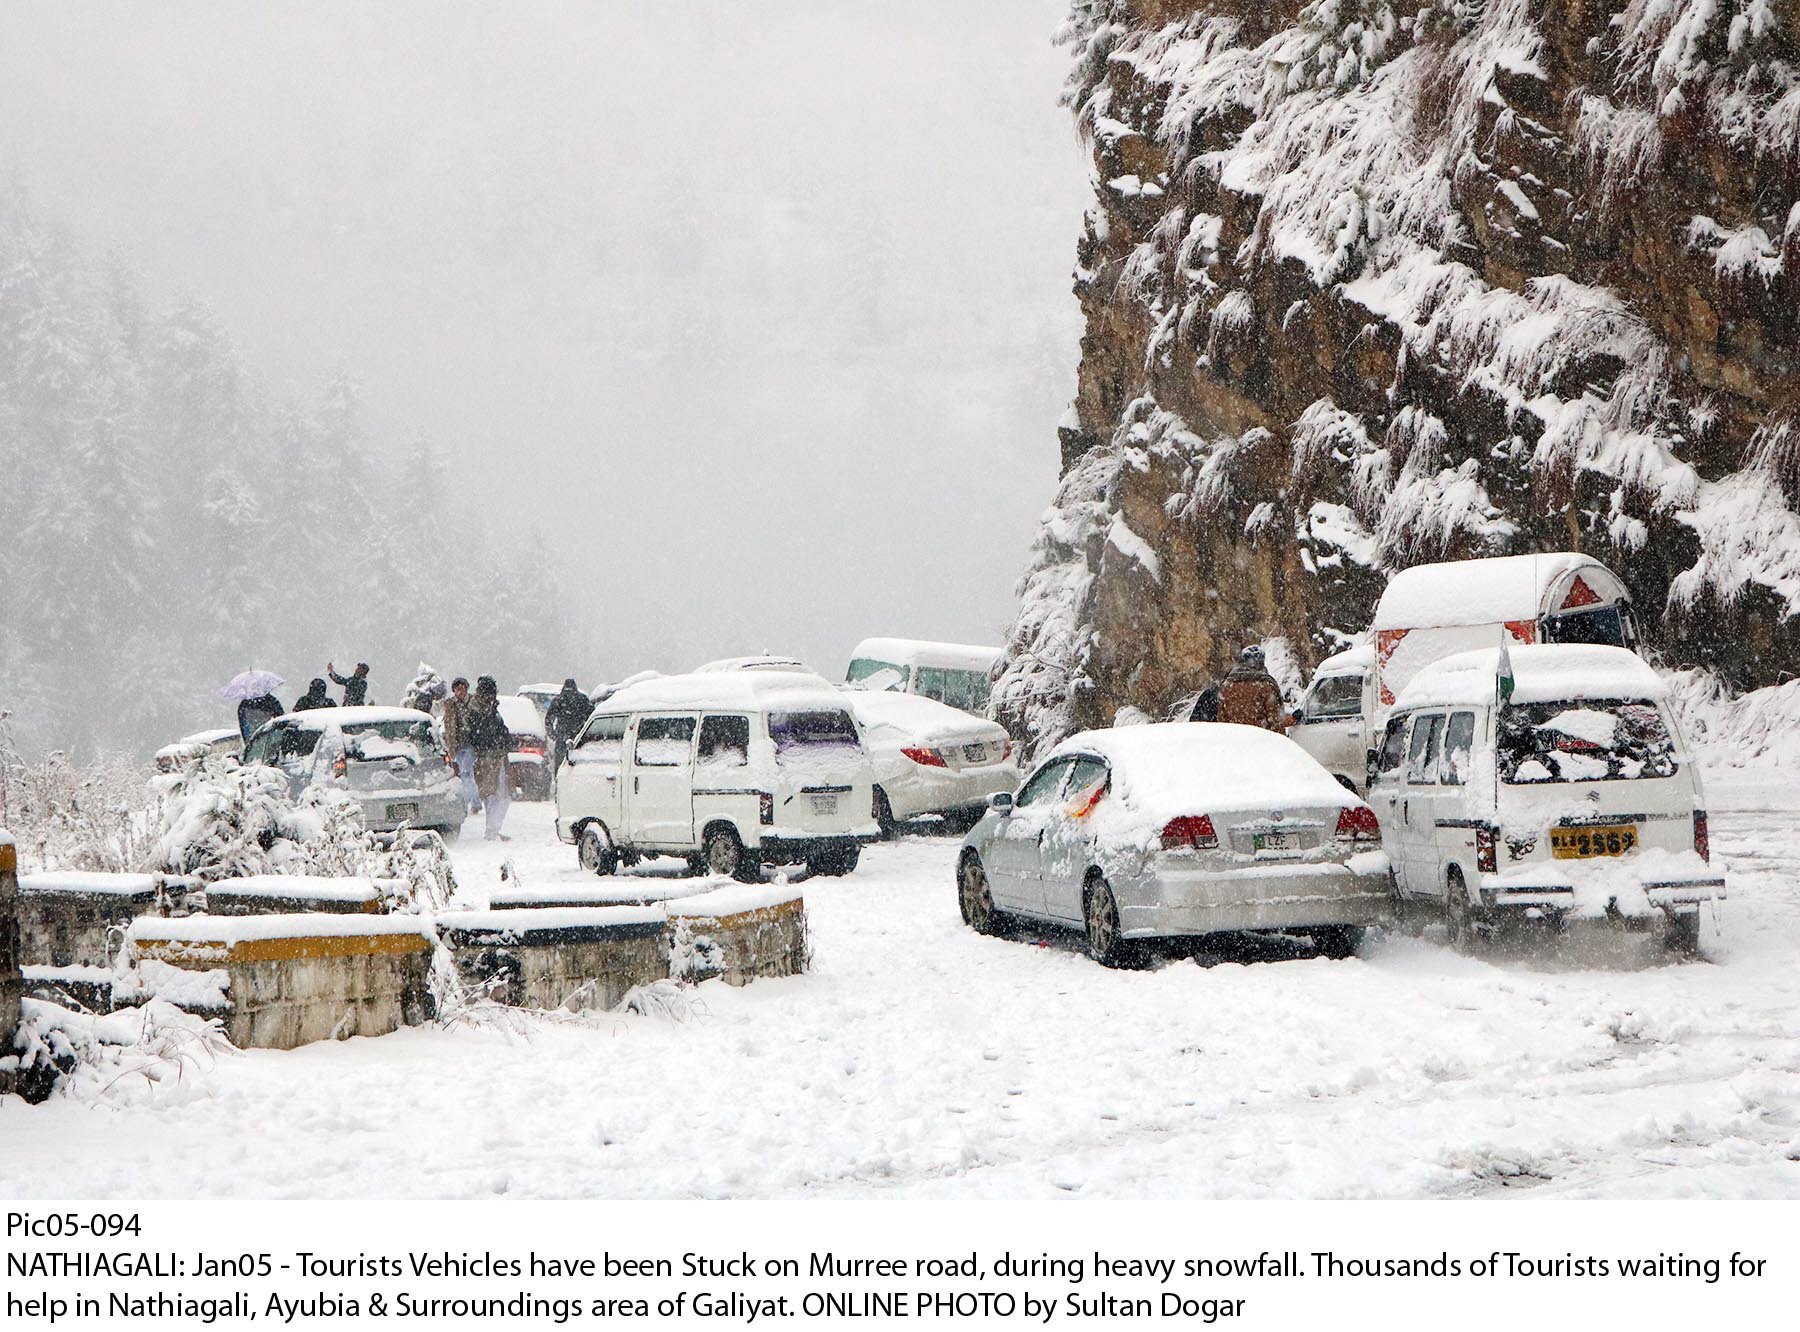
(751,322)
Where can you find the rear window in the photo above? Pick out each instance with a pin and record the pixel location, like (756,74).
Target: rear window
(1605,626)
(371,742)
(967,690)
(811,730)
(873,673)
(1593,740)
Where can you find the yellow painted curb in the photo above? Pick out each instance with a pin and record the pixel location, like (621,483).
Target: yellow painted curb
(217,953)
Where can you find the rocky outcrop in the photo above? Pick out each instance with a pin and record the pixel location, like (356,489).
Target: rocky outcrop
(1372,282)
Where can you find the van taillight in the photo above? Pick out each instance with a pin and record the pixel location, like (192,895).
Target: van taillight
(1190,830)
(1487,857)
(1702,838)
(1357,823)
(765,807)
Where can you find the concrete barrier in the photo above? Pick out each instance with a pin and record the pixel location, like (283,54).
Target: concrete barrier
(9,959)
(293,979)
(284,894)
(73,918)
(739,933)
(570,957)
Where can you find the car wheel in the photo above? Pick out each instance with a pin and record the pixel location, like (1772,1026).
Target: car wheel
(723,853)
(595,851)
(1339,942)
(449,832)
(884,816)
(975,899)
(1105,944)
(1681,934)
(1460,915)
(835,864)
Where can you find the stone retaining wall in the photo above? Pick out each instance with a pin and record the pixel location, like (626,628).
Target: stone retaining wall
(574,957)
(294,979)
(9,957)
(740,933)
(69,919)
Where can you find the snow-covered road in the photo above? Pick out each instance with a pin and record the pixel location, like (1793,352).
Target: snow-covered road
(920,1059)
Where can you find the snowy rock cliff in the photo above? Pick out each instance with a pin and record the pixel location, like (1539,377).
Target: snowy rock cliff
(1372,282)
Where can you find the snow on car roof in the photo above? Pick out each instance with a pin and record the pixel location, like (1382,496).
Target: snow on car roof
(521,714)
(746,690)
(756,663)
(1359,658)
(331,719)
(207,737)
(1460,592)
(945,656)
(1164,769)
(920,717)
(1542,673)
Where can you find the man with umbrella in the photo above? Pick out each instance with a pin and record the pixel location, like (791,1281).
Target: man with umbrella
(255,693)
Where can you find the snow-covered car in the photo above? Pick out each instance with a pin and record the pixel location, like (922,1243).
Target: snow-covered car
(931,758)
(1576,797)
(390,761)
(226,740)
(732,770)
(540,695)
(791,665)
(528,765)
(1330,723)
(1170,830)
(953,673)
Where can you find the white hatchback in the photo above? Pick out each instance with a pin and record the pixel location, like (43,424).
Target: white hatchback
(390,761)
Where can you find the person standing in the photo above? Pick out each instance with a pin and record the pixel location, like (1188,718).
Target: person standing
(1249,695)
(491,740)
(253,712)
(563,719)
(314,697)
(456,740)
(356,688)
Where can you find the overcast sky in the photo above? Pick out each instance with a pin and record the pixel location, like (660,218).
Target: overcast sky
(754,319)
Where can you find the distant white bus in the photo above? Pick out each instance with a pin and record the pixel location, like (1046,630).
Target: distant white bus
(955,673)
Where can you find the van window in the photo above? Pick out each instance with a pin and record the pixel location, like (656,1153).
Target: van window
(725,741)
(603,741)
(1044,783)
(811,731)
(1459,748)
(1421,767)
(872,673)
(1604,625)
(1592,740)
(663,742)
(1333,697)
(1393,747)
(967,690)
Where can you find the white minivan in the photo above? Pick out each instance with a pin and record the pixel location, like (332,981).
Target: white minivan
(954,673)
(730,770)
(1570,795)
(1331,722)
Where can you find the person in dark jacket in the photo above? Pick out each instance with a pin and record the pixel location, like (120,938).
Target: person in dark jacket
(563,719)
(1249,695)
(253,712)
(1206,706)
(314,697)
(356,688)
(486,732)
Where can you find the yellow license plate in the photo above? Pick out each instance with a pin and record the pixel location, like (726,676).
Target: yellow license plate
(1585,843)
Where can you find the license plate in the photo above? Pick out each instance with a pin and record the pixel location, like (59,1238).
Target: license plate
(974,753)
(1276,841)
(408,811)
(1586,843)
(824,804)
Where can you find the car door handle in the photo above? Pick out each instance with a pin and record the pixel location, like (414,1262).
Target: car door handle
(634,786)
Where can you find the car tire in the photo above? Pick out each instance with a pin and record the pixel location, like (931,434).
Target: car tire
(595,851)
(1459,915)
(1339,942)
(1100,912)
(448,832)
(1681,934)
(723,853)
(884,816)
(836,863)
(975,897)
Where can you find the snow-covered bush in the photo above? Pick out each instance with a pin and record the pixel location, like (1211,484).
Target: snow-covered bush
(131,1055)
(73,816)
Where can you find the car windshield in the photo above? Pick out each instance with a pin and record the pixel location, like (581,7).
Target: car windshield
(811,730)
(371,742)
(1593,740)
(871,673)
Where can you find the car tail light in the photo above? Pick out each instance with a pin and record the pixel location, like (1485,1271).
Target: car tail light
(1487,858)
(531,746)
(340,766)
(1195,830)
(1357,823)
(1702,838)
(765,807)
(1007,752)
(927,758)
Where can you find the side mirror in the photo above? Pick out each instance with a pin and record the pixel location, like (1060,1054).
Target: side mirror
(1001,801)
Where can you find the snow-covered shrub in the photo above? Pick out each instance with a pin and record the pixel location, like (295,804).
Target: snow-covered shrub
(73,816)
(222,819)
(132,1055)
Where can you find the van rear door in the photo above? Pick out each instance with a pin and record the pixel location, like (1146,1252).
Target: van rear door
(660,804)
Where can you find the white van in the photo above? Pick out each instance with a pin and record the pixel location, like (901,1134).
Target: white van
(1575,798)
(953,673)
(1331,722)
(731,770)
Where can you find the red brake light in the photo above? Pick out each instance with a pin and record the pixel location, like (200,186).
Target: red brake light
(340,766)
(1702,837)
(1009,749)
(1195,830)
(928,758)
(1487,858)
(1357,823)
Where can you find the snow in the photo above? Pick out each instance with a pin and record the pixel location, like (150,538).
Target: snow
(314,887)
(1469,592)
(918,1059)
(928,652)
(88,883)
(631,890)
(292,925)
(1129,544)
(1542,673)
(919,718)
(749,691)
(736,899)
